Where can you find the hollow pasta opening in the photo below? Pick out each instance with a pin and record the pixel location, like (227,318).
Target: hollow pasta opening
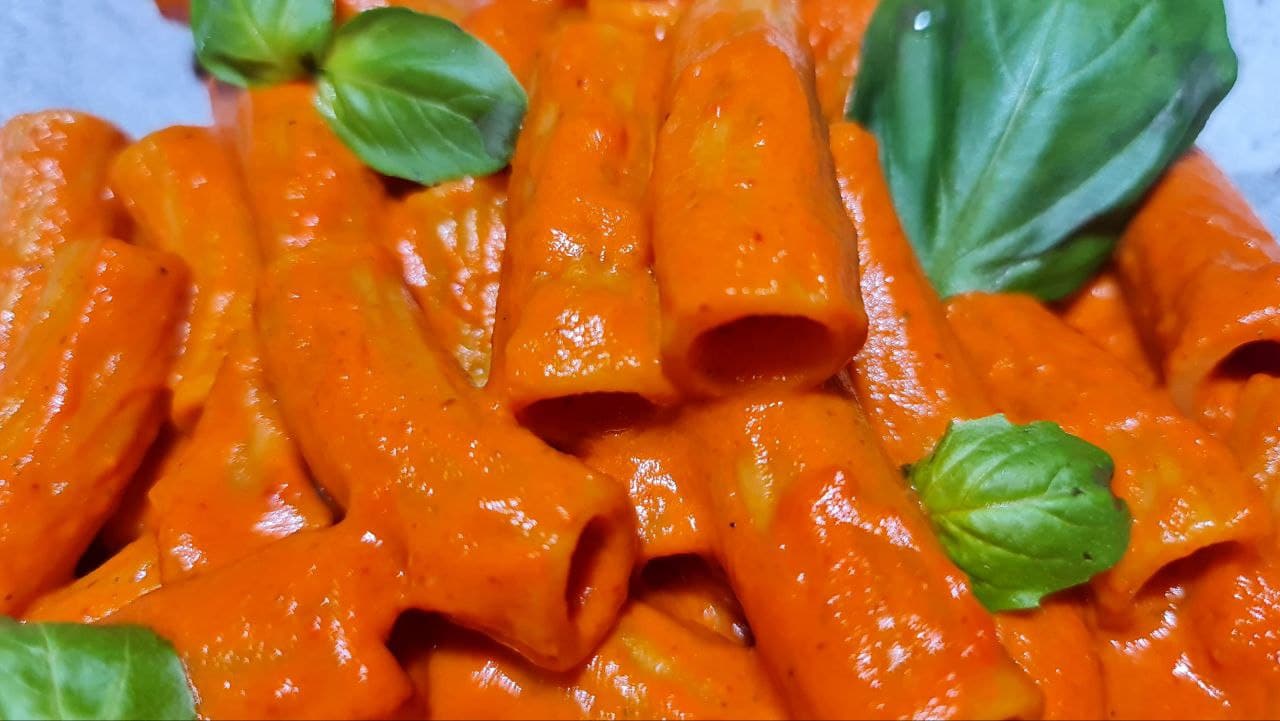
(593,568)
(696,592)
(1250,359)
(562,420)
(760,349)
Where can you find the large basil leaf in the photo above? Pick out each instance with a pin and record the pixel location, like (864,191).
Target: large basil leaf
(1023,510)
(69,671)
(418,98)
(260,42)
(1007,125)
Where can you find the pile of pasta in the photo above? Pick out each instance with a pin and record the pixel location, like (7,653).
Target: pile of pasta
(617,432)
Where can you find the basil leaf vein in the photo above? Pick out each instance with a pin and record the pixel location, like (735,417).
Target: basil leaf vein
(1006,126)
(260,42)
(417,97)
(71,671)
(1025,511)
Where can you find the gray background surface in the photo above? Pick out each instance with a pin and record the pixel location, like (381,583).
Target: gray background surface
(120,60)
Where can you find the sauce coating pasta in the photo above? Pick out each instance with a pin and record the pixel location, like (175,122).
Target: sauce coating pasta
(665,419)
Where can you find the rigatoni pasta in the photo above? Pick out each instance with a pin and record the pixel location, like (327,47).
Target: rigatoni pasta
(336,415)
(80,401)
(911,376)
(303,183)
(53,188)
(183,190)
(657,463)
(578,338)
(650,665)
(913,379)
(516,28)
(450,240)
(1185,490)
(836,28)
(1101,313)
(318,649)
(1202,273)
(755,260)
(236,483)
(121,580)
(810,517)
(342,340)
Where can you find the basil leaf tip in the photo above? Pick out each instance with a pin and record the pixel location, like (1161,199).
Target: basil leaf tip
(71,671)
(1006,125)
(419,98)
(260,42)
(1024,510)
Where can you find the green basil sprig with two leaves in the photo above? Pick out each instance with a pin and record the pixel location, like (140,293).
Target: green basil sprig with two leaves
(69,671)
(1025,510)
(1016,133)
(414,96)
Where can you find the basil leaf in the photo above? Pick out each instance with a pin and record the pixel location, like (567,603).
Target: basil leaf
(1023,510)
(69,671)
(1007,125)
(260,42)
(417,97)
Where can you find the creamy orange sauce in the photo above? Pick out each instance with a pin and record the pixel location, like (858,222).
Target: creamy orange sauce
(619,432)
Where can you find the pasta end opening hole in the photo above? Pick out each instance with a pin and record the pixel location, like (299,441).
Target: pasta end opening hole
(589,567)
(762,349)
(1250,359)
(566,419)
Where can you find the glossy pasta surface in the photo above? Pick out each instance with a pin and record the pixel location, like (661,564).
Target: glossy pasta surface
(625,429)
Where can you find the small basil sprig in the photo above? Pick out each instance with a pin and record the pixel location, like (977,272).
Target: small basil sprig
(418,98)
(260,42)
(69,671)
(1023,510)
(414,96)
(1006,126)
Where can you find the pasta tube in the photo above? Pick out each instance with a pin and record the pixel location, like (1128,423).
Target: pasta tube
(53,183)
(450,241)
(697,594)
(236,483)
(53,188)
(835,29)
(80,402)
(184,192)
(1100,312)
(1055,646)
(399,439)
(1235,602)
(1203,276)
(1234,606)
(320,605)
(1185,490)
(124,578)
(855,607)
(578,335)
(755,259)
(515,29)
(657,464)
(1255,435)
(1156,664)
(650,666)
(913,379)
(303,182)
(911,376)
